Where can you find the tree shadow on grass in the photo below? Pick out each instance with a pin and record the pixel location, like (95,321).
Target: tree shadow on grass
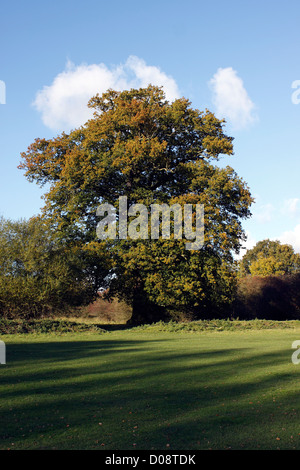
(120,393)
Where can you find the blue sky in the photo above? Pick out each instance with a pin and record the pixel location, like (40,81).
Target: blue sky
(238,59)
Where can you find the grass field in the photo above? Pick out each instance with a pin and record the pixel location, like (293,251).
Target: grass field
(151,389)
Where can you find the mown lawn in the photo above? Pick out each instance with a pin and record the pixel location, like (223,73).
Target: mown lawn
(145,389)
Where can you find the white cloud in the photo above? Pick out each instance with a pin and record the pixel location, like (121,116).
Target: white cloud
(231,98)
(263,213)
(145,74)
(292,237)
(291,207)
(63,104)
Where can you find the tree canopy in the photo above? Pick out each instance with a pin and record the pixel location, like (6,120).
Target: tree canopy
(143,147)
(268,258)
(41,272)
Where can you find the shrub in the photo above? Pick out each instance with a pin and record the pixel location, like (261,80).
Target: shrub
(270,297)
(46,326)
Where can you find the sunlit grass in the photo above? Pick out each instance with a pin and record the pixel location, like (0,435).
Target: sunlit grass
(136,389)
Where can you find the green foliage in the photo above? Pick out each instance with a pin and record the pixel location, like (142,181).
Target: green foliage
(141,146)
(41,271)
(217,325)
(9,327)
(58,326)
(269,258)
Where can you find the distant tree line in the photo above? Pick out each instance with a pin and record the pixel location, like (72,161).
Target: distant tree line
(43,273)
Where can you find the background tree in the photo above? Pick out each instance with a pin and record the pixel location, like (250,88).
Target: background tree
(270,258)
(268,297)
(41,272)
(141,146)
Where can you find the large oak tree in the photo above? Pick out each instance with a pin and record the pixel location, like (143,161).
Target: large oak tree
(141,146)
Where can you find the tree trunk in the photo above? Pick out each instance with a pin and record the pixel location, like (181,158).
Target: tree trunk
(144,311)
